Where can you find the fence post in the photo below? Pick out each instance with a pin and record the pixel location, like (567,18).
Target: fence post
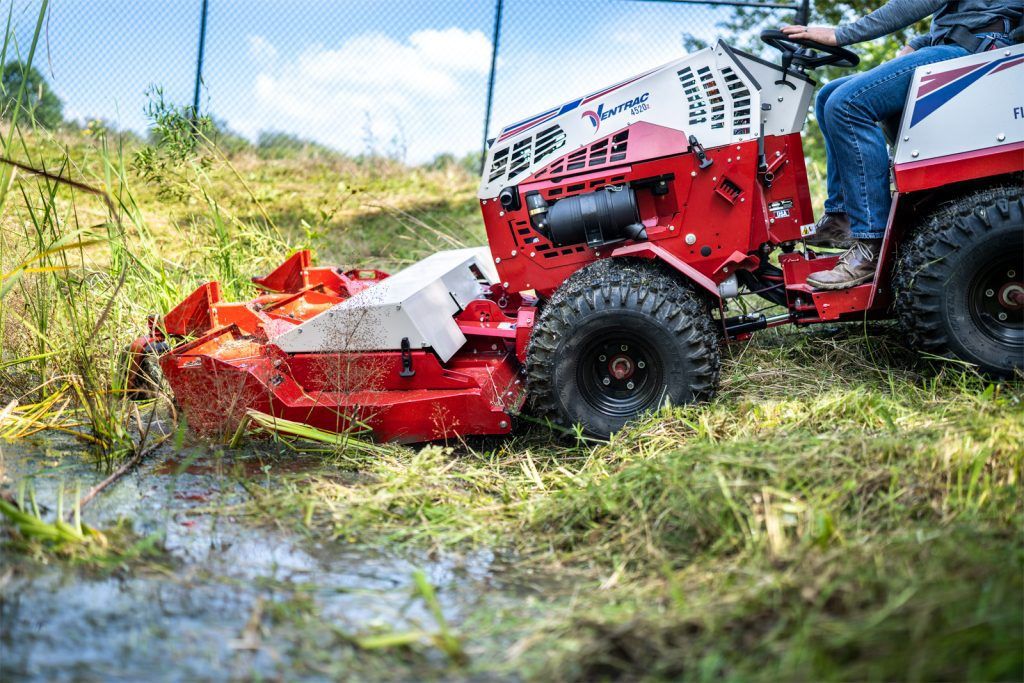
(490,79)
(199,59)
(803,13)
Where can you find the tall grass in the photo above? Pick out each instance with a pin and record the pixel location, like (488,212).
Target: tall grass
(81,267)
(100,230)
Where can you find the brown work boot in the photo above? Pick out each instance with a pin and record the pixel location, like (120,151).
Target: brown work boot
(832,231)
(855,266)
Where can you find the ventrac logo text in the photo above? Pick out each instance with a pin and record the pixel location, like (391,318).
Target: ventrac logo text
(633,106)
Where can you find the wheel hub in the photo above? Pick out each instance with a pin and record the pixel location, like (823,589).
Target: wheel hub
(621,367)
(997,302)
(619,373)
(1011,296)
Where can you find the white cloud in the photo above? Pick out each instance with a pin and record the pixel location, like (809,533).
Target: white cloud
(425,89)
(260,49)
(454,48)
(428,87)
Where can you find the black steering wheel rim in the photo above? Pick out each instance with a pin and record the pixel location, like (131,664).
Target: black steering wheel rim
(793,49)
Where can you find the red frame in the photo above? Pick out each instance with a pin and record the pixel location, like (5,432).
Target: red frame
(927,174)
(726,208)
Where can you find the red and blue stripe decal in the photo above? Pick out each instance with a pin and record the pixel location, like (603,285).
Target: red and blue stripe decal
(523,126)
(936,90)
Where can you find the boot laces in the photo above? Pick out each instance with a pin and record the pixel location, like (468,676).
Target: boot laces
(857,249)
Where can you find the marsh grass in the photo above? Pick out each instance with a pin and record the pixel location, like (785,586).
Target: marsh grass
(31,525)
(841,511)
(441,637)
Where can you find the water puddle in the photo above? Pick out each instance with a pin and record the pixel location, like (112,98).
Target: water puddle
(231,600)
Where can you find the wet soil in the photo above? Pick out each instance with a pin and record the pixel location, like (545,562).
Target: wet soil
(224,598)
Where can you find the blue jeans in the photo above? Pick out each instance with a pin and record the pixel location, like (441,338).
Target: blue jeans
(848,110)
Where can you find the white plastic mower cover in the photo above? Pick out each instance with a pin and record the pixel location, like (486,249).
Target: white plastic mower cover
(417,303)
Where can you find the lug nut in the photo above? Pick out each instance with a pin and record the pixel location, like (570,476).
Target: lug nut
(990,292)
(602,358)
(1011,273)
(606,381)
(624,348)
(1002,316)
(640,364)
(629,385)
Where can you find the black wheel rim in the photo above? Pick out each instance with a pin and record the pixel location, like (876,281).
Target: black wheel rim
(619,373)
(996,300)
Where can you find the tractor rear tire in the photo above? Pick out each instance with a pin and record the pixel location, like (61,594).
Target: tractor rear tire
(959,285)
(620,338)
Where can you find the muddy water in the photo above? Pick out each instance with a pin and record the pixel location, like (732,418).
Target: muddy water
(229,600)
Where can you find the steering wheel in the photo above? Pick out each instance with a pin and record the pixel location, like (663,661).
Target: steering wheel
(805,53)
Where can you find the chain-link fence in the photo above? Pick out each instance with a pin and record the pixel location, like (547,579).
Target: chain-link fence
(410,79)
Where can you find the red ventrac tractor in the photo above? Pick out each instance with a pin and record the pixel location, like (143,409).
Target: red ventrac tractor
(619,224)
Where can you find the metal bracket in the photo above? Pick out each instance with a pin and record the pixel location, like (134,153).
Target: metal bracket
(698,149)
(407,370)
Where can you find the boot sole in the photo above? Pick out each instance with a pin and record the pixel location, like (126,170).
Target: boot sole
(839,285)
(828,245)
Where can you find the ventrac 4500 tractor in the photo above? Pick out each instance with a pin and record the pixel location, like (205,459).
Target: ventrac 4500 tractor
(619,225)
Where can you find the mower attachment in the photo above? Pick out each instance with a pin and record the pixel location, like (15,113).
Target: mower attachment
(425,354)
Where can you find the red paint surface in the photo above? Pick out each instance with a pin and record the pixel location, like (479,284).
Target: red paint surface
(914,176)
(231,366)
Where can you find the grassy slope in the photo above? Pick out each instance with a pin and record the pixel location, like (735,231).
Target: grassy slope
(839,512)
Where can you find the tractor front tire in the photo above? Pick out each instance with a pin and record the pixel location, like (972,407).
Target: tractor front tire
(959,285)
(620,338)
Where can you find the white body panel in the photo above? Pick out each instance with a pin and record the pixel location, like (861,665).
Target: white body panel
(715,94)
(417,303)
(788,105)
(963,105)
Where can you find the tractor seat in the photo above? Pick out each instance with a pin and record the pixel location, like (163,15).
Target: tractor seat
(891,129)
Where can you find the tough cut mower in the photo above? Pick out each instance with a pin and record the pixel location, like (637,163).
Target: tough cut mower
(619,224)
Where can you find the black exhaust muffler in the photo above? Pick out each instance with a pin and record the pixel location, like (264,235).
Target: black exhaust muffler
(606,215)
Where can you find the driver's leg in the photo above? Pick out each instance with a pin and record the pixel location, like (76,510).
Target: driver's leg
(834,200)
(833,228)
(851,116)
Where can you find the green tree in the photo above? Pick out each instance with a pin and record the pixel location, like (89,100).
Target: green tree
(38,100)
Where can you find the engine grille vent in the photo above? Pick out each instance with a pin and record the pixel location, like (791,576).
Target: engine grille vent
(714,95)
(708,96)
(740,96)
(498,165)
(698,104)
(603,151)
(548,141)
(518,158)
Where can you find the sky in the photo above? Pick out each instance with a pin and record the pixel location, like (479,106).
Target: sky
(406,76)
